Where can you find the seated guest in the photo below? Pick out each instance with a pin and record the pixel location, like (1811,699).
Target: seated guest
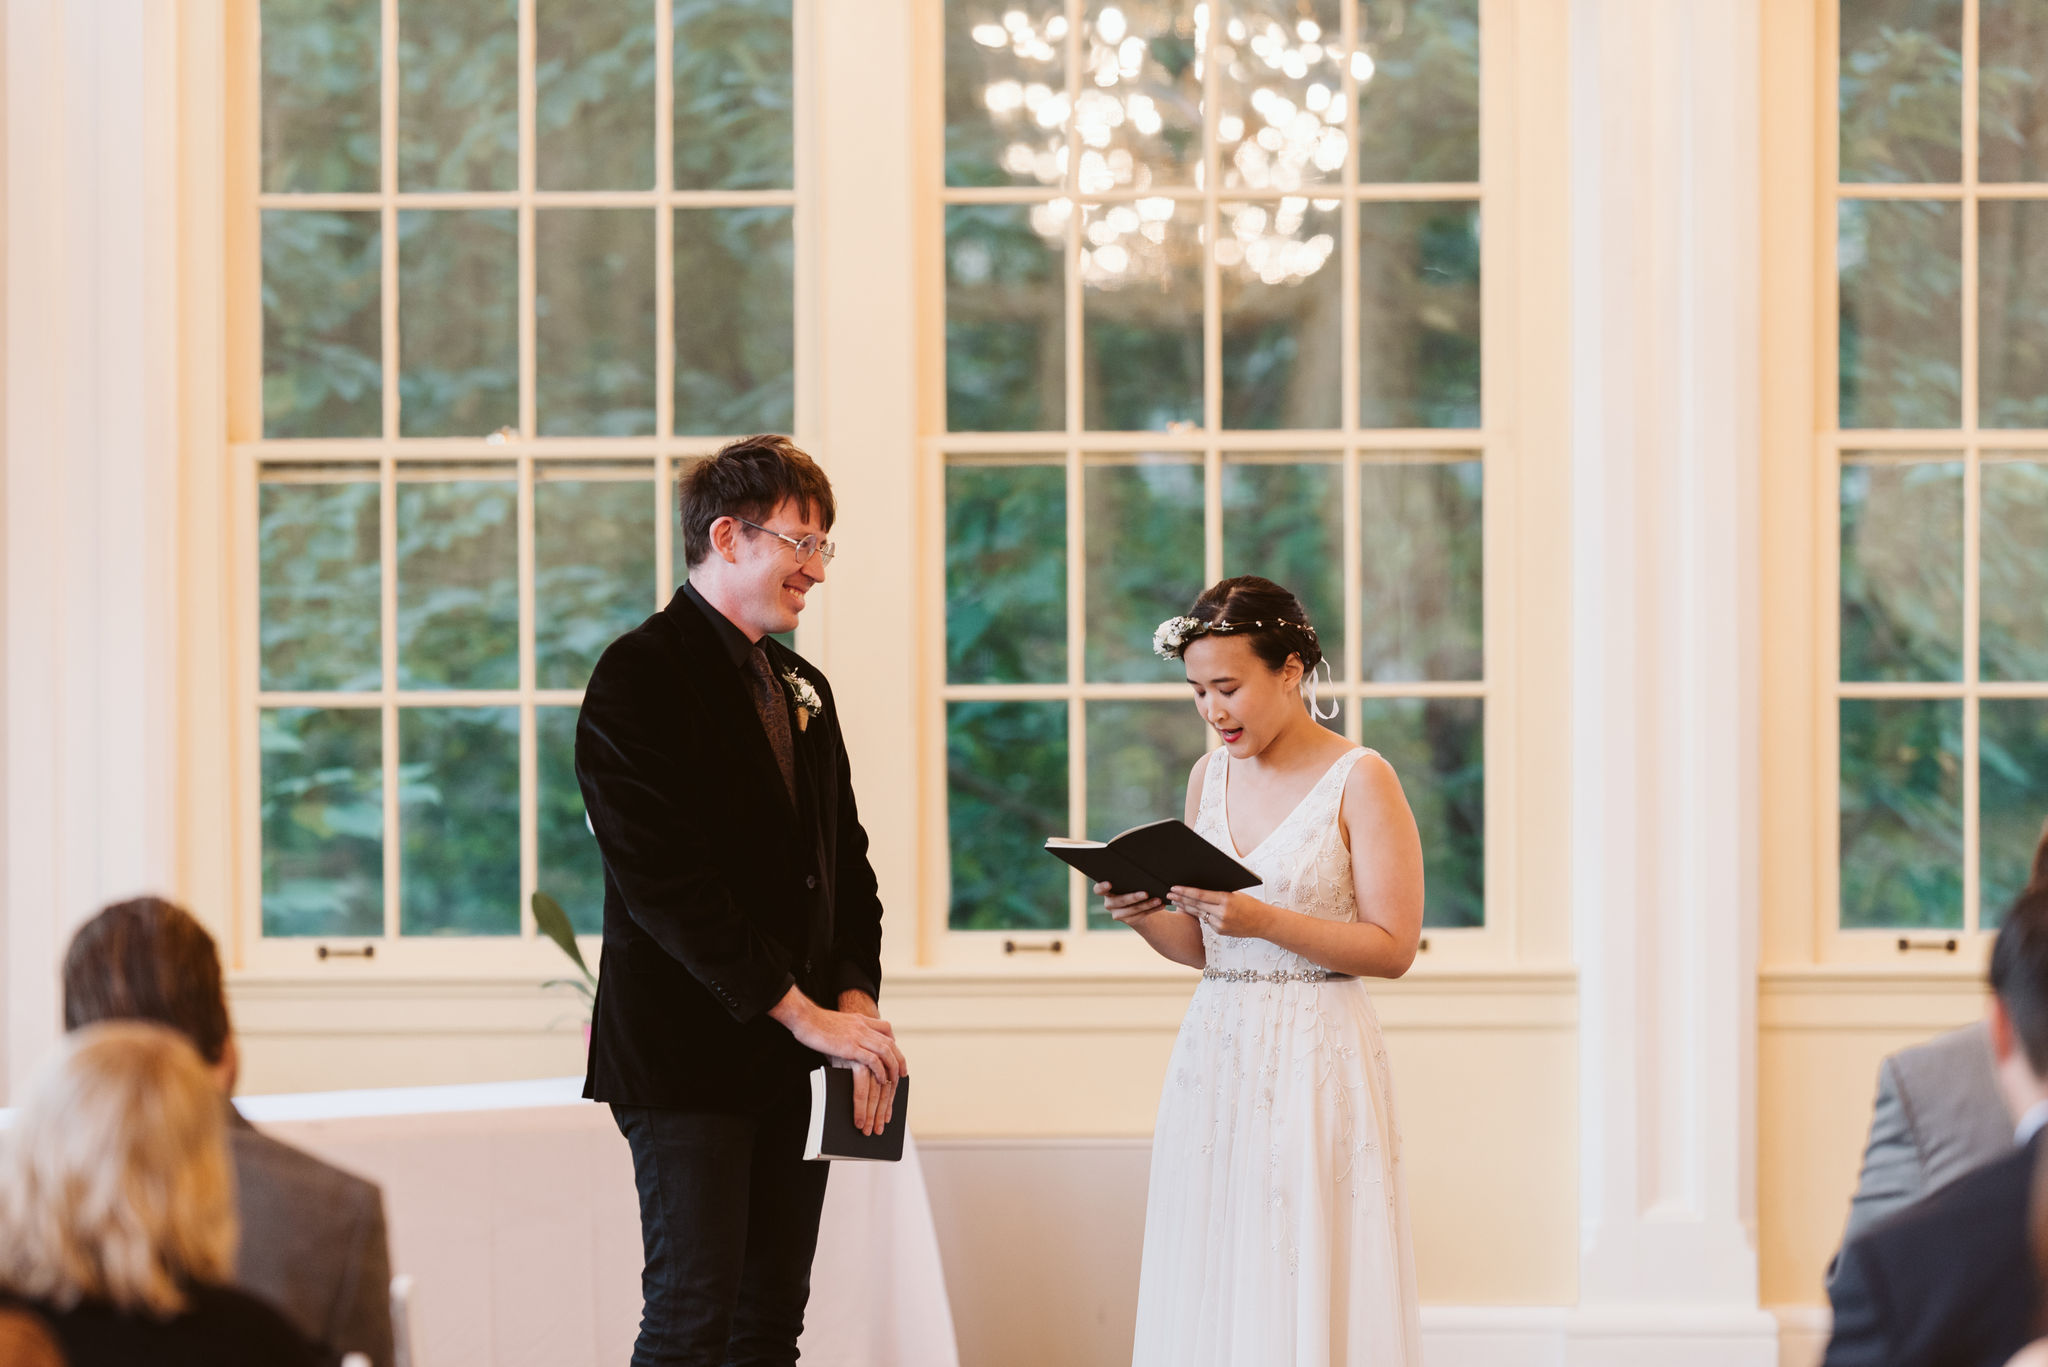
(117,1225)
(313,1238)
(1950,1280)
(25,1341)
(1938,1115)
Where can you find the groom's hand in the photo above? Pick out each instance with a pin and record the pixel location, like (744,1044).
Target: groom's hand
(874,1099)
(864,1040)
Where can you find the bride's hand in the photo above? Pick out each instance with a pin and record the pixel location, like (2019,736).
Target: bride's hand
(1128,907)
(1226,913)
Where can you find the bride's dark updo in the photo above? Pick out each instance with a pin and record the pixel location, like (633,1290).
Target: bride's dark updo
(1269,618)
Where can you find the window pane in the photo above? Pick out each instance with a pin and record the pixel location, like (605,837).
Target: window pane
(1418,314)
(733,95)
(2012,798)
(1901,96)
(1006,94)
(1422,560)
(593,564)
(1438,748)
(1283,518)
(1281,119)
(1901,322)
(1418,90)
(1006,791)
(1139,112)
(2013,619)
(1006,338)
(594,94)
(458,583)
(1902,571)
(458,94)
(458,820)
(2012,90)
(595,321)
(735,272)
(2012,316)
(317,550)
(323,364)
(1141,315)
(458,322)
(323,821)
(1282,311)
(1902,813)
(1006,573)
(1139,755)
(320,95)
(571,870)
(1144,548)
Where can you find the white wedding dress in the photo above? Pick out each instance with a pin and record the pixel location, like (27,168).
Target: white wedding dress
(1276,1231)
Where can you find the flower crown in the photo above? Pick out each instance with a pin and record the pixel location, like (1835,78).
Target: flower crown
(1175,633)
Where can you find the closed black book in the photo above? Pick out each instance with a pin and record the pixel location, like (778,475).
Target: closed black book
(1153,858)
(833,1134)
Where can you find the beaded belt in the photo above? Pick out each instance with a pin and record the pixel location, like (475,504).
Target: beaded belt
(1276,975)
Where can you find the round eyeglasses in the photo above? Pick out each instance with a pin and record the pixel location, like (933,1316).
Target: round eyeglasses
(806,548)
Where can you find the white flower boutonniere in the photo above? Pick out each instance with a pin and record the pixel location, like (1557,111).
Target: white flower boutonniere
(805,696)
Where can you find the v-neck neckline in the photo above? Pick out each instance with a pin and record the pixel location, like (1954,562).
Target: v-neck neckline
(1231,836)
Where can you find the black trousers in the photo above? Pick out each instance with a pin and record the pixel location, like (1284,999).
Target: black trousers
(729,1223)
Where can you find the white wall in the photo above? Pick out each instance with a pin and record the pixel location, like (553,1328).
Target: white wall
(89,467)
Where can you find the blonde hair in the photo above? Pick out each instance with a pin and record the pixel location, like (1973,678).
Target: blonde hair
(114,1184)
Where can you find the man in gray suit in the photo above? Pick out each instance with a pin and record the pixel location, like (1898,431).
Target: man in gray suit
(1939,1114)
(313,1238)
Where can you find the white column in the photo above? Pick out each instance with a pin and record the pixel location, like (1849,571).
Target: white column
(1664,474)
(89,472)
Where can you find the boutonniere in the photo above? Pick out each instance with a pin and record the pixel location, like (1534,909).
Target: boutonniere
(805,696)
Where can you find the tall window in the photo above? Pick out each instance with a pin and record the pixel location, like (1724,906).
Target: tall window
(520,259)
(1940,231)
(1212,306)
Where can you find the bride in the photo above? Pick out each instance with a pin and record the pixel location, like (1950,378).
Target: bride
(1276,1231)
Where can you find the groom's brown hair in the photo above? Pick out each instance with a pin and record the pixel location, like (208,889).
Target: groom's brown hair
(750,478)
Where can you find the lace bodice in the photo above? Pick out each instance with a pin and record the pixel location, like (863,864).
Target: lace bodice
(1304,863)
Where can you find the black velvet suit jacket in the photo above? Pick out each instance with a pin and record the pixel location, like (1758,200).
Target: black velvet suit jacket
(1946,1282)
(718,893)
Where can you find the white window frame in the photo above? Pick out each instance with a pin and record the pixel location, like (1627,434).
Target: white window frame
(1509,156)
(1923,949)
(526,955)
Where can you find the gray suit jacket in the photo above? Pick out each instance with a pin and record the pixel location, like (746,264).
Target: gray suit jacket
(313,1243)
(1938,1116)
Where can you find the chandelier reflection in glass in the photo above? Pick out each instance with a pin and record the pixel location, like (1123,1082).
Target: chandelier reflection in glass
(1286,139)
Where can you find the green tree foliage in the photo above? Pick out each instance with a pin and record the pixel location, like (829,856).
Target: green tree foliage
(734,95)
(1901,813)
(323,366)
(1900,268)
(1902,571)
(323,822)
(458,94)
(319,585)
(735,274)
(1418,111)
(1900,97)
(1006,790)
(458,818)
(1006,573)
(321,119)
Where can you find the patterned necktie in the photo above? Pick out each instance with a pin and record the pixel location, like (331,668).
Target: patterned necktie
(768,701)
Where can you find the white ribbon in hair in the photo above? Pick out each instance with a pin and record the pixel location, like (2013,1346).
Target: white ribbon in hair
(1309,687)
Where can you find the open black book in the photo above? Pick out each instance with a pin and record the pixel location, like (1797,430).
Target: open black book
(833,1133)
(1154,857)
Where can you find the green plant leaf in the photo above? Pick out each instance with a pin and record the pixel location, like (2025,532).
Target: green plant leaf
(554,923)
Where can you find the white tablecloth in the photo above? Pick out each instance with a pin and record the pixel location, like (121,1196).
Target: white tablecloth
(512,1204)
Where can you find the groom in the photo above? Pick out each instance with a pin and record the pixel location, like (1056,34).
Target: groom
(742,931)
